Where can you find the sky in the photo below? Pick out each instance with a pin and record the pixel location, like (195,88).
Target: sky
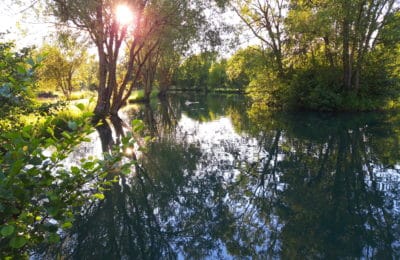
(23,25)
(27,28)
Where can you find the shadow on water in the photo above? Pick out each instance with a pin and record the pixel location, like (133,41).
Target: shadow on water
(223,179)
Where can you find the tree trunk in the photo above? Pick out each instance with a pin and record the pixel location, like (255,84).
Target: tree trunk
(357,79)
(102,108)
(328,52)
(346,48)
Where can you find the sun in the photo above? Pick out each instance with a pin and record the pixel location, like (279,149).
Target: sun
(124,14)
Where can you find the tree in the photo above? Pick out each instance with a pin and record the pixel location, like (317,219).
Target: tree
(266,21)
(167,68)
(109,34)
(245,65)
(217,77)
(326,54)
(193,72)
(60,66)
(352,28)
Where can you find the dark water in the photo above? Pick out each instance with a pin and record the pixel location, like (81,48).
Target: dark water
(223,179)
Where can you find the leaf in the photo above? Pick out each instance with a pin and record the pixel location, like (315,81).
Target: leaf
(50,131)
(99,196)
(72,125)
(21,69)
(66,225)
(54,238)
(18,242)
(66,135)
(137,125)
(88,165)
(53,211)
(136,122)
(7,231)
(80,106)
(75,170)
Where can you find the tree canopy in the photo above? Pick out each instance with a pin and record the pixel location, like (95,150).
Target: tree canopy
(155,24)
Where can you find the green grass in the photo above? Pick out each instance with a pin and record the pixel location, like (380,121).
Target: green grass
(83,94)
(75,95)
(58,117)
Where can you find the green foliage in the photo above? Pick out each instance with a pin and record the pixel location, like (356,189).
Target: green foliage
(248,65)
(64,68)
(36,186)
(39,191)
(320,55)
(194,72)
(217,78)
(17,71)
(317,89)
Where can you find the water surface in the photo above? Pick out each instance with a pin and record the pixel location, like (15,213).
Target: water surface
(224,179)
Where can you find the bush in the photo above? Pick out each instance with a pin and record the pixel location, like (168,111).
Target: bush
(38,192)
(17,71)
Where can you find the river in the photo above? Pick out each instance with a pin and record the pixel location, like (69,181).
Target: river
(224,179)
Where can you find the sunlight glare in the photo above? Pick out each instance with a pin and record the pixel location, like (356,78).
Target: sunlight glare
(124,14)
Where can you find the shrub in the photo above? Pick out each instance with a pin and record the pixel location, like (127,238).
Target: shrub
(16,75)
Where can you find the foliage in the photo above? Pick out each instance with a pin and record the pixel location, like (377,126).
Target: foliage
(17,72)
(245,65)
(194,71)
(38,191)
(63,67)
(83,94)
(328,55)
(153,22)
(218,78)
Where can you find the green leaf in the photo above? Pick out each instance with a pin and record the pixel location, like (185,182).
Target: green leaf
(80,106)
(137,125)
(54,238)
(99,196)
(21,69)
(75,170)
(72,125)
(88,165)
(66,135)
(53,211)
(136,122)
(7,231)
(66,225)
(50,131)
(18,242)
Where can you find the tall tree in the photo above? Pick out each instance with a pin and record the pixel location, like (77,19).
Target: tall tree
(61,65)
(110,32)
(352,28)
(266,20)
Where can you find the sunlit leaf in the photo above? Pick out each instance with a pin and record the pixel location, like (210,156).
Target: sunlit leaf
(99,196)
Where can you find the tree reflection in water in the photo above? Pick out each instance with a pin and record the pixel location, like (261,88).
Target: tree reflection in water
(260,185)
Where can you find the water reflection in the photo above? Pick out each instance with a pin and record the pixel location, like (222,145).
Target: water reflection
(223,179)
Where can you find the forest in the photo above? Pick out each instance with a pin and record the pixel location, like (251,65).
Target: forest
(101,58)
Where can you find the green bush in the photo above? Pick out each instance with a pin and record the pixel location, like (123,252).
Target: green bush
(16,75)
(38,192)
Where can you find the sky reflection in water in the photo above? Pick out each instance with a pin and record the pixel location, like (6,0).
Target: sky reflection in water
(224,179)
